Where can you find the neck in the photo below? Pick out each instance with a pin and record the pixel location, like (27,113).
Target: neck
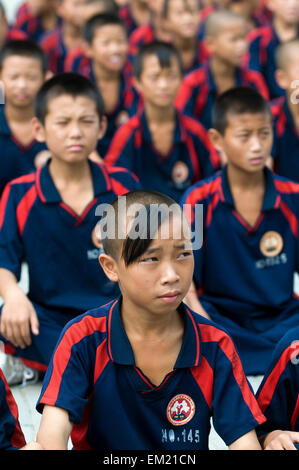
(71,31)
(104,75)
(140,322)
(185,44)
(18,115)
(238,178)
(64,172)
(154,114)
(221,69)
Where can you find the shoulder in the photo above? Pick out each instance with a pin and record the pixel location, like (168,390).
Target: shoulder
(193,126)
(144,32)
(263,34)
(285,186)
(204,189)
(195,78)
(118,179)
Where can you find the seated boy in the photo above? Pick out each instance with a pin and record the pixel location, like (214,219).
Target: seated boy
(286,112)
(47,220)
(107,50)
(135,13)
(264,41)
(67,36)
(23,69)
(35,18)
(11,434)
(182,18)
(157,29)
(278,396)
(225,38)
(244,272)
(144,372)
(164,148)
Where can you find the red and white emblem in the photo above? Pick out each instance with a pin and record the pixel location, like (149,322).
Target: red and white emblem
(180,410)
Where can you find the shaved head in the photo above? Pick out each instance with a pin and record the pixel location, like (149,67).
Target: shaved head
(220,20)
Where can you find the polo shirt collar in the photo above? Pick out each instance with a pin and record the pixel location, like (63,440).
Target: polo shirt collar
(270,197)
(179,132)
(120,350)
(49,193)
(4,127)
(211,82)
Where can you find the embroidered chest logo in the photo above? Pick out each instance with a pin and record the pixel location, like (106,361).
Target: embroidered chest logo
(271,244)
(180,410)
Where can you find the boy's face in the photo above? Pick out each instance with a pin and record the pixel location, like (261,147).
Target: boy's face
(109,47)
(245,7)
(159,85)
(183,18)
(230,44)
(22,77)
(159,280)
(288,10)
(72,128)
(247,141)
(3,29)
(289,76)
(72,11)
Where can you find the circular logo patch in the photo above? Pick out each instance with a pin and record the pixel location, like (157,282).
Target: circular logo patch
(271,244)
(180,410)
(180,172)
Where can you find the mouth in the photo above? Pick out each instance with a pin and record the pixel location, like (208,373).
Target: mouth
(170,297)
(257,161)
(75,148)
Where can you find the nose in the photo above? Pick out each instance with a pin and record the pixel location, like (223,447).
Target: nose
(75,130)
(255,142)
(169,274)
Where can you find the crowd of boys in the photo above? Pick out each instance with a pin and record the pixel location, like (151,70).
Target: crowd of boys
(188,102)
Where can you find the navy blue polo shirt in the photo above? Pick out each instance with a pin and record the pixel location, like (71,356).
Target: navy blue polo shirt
(11,434)
(55,49)
(261,56)
(133,148)
(37,226)
(15,159)
(285,149)
(244,274)
(278,394)
(113,405)
(198,91)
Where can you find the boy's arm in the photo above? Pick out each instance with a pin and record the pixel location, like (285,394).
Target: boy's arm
(18,316)
(247,442)
(55,429)
(280,440)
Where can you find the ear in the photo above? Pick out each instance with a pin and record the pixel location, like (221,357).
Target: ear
(103,127)
(86,49)
(137,85)
(109,267)
(209,43)
(281,78)
(216,139)
(38,130)
(49,74)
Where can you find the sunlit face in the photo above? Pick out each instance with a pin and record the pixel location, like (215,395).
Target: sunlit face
(159,85)
(231,43)
(247,141)
(110,47)
(22,77)
(71,129)
(288,78)
(158,281)
(288,10)
(183,17)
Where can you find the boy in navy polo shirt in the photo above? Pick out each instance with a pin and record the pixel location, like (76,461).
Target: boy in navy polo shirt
(225,37)
(165,149)
(244,272)
(278,396)
(144,372)
(264,41)
(135,13)
(23,69)
(108,67)
(286,112)
(67,36)
(36,18)
(47,219)
(11,434)
(182,17)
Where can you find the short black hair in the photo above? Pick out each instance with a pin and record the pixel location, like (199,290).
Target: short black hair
(97,21)
(164,51)
(24,48)
(68,83)
(153,210)
(237,100)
